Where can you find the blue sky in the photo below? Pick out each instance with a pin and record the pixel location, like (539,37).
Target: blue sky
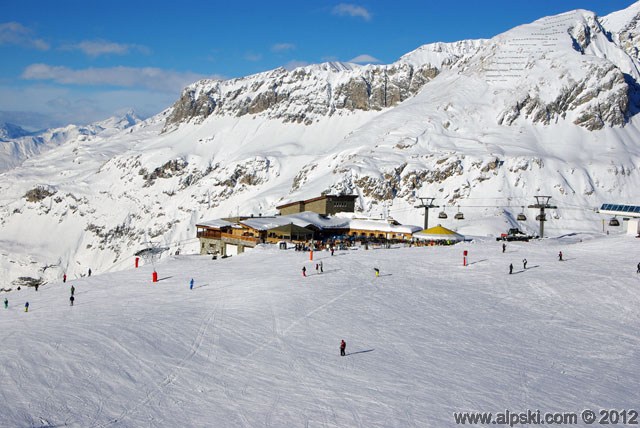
(69,61)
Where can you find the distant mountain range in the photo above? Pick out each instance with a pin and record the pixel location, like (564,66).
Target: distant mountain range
(483,126)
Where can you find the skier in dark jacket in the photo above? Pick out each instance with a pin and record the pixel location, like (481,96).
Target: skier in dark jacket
(26,307)
(73,290)
(504,247)
(6,303)
(560,256)
(343,347)
(89,271)
(524,263)
(71,299)
(191,284)
(304,271)
(510,268)
(638,268)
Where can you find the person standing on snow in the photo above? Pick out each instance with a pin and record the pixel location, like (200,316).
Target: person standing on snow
(504,247)
(510,268)
(6,303)
(26,307)
(64,278)
(524,263)
(89,271)
(71,299)
(321,268)
(377,271)
(36,286)
(317,267)
(343,347)
(304,271)
(638,271)
(191,284)
(73,290)
(560,256)
(332,250)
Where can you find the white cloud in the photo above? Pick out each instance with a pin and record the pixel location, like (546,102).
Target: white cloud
(128,77)
(283,47)
(95,48)
(14,33)
(41,106)
(365,59)
(346,9)
(253,57)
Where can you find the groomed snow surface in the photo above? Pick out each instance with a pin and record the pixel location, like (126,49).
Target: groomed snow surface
(254,344)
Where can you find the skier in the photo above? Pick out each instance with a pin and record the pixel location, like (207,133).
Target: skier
(191,284)
(377,271)
(323,270)
(73,290)
(6,303)
(71,299)
(510,268)
(89,271)
(332,251)
(317,267)
(343,346)
(304,271)
(638,268)
(37,285)
(560,256)
(504,247)
(524,263)
(26,307)
(64,278)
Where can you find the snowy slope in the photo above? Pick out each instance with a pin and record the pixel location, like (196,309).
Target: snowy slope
(256,344)
(547,108)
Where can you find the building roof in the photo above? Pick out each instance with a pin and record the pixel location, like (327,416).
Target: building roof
(381,225)
(438,233)
(309,218)
(215,224)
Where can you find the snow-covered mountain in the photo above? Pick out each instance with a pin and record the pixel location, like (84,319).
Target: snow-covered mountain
(547,108)
(16,144)
(10,131)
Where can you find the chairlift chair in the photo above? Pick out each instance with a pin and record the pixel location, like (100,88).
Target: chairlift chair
(443,214)
(614,222)
(459,215)
(541,217)
(521,216)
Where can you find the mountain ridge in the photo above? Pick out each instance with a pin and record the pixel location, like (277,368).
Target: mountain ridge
(548,107)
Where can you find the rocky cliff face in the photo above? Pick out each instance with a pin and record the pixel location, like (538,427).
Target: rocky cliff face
(304,94)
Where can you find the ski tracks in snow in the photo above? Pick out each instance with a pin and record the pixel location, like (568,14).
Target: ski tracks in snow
(171,377)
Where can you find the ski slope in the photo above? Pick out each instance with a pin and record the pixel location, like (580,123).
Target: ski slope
(255,344)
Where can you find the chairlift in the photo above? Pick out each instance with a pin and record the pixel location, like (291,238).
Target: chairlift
(459,215)
(541,217)
(614,222)
(521,216)
(442,214)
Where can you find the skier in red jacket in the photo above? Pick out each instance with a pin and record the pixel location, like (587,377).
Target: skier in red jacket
(343,346)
